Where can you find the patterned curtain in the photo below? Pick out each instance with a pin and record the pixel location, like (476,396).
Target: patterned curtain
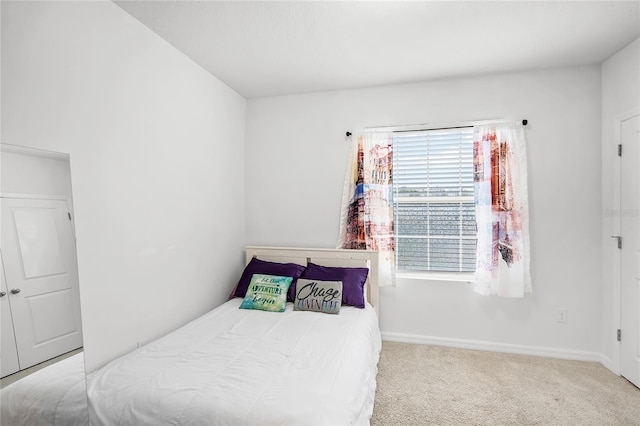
(502,211)
(366,220)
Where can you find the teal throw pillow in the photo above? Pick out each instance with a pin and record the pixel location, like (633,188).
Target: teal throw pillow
(267,293)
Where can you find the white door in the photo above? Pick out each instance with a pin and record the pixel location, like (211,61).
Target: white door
(8,352)
(39,253)
(630,256)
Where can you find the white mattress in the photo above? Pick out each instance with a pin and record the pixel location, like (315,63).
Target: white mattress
(55,395)
(238,367)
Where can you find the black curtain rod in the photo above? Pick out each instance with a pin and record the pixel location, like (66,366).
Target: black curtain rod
(524,123)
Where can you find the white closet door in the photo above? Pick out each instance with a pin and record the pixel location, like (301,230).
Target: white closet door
(9,354)
(630,256)
(42,279)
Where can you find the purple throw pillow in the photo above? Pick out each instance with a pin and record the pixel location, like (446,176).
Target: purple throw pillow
(257,266)
(352,281)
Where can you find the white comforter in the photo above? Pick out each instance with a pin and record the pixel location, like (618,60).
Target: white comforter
(238,367)
(55,395)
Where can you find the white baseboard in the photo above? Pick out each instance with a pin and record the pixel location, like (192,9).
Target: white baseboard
(608,363)
(495,347)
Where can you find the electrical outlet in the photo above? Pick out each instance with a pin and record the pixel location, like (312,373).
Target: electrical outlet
(562,315)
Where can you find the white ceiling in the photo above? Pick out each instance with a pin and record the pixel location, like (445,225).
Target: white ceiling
(267,48)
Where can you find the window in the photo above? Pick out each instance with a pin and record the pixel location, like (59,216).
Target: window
(433,203)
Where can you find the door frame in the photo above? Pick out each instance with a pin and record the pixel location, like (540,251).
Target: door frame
(42,153)
(616,273)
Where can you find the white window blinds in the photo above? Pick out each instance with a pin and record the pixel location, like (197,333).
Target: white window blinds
(434,210)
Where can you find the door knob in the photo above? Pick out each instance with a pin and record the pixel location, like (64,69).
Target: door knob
(15,290)
(3,293)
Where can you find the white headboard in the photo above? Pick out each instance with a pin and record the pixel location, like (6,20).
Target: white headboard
(324,257)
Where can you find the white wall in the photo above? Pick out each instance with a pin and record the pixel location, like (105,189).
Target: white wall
(295,162)
(620,94)
(156,149)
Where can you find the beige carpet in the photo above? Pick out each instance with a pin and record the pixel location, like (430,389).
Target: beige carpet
(430,385)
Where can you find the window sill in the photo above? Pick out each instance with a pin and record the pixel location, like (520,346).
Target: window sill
(463,277)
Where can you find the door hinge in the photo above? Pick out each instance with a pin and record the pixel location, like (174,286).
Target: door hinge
(69,214)
(619,238)
(619,150)
(619,335)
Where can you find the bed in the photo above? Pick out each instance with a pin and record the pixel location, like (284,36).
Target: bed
(54,395)
(305,365)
